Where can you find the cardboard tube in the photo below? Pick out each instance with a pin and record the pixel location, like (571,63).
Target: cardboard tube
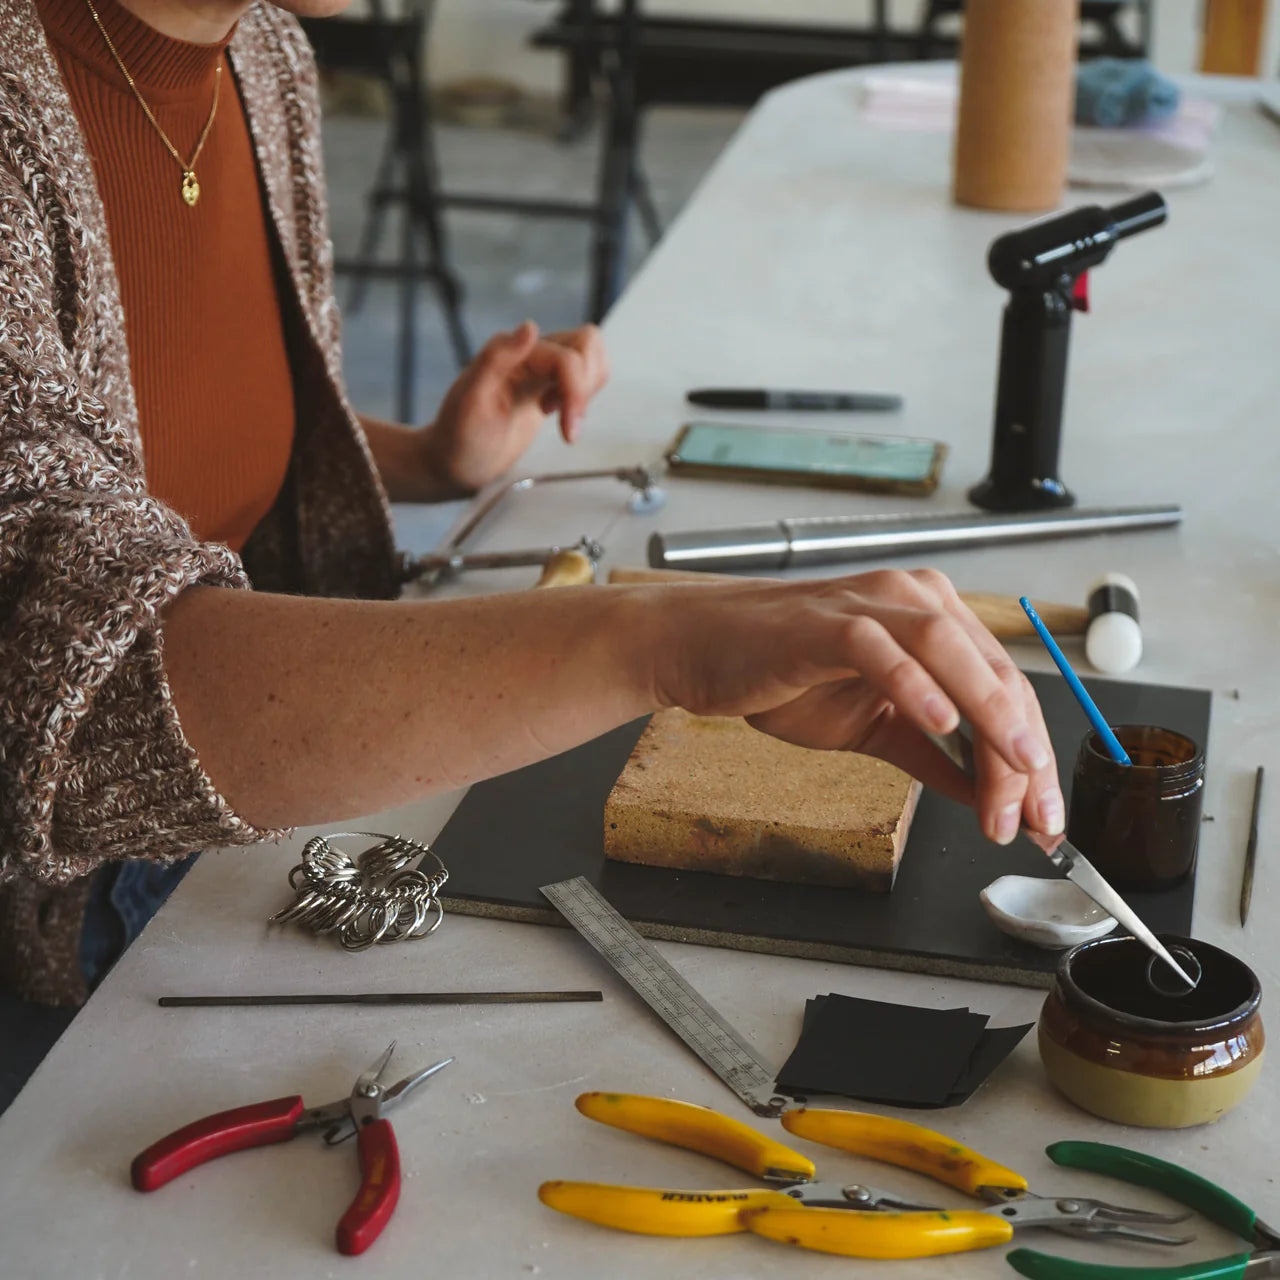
(1017,93)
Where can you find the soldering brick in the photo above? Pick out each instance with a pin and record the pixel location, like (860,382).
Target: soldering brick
(713,794)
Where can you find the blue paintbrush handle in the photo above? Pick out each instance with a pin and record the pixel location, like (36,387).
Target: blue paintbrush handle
(1103,729)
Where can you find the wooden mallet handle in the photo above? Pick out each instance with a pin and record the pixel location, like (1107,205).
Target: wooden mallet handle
(1001,615)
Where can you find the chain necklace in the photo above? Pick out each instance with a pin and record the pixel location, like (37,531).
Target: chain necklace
(190,184)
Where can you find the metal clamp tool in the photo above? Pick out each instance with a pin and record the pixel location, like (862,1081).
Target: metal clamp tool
(646,496)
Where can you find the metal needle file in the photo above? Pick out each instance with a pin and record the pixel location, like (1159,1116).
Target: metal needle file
(386,997)
(1251,849)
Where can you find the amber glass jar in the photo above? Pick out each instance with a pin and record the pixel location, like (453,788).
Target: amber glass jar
(1118,1048)
(1139,824)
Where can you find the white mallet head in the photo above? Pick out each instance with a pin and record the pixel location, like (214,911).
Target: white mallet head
(1113,642)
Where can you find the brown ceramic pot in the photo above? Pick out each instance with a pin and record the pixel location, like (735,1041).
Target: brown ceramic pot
(1119,1049)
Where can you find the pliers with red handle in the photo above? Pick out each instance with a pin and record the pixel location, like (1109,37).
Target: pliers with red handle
(358,1114)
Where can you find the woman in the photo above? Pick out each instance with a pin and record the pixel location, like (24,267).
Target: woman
(173,425)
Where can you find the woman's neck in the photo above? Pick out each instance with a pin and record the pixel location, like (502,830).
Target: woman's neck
(196,21)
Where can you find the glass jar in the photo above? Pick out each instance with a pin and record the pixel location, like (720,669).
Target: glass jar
(1139,824)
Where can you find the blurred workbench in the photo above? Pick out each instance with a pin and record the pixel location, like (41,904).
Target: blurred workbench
(820,251)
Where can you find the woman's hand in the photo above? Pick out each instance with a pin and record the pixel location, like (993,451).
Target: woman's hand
(493,411)
(870,663)
(491,414)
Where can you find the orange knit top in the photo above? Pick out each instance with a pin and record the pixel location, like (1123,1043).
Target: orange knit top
(203,320)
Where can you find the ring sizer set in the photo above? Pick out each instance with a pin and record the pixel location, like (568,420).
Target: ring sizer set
(377,896)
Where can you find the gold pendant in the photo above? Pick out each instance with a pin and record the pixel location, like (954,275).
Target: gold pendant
(190,187)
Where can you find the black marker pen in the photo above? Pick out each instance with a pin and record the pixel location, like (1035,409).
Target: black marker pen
(839,401)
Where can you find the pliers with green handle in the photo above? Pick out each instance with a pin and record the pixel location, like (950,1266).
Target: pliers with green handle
(1184,1186)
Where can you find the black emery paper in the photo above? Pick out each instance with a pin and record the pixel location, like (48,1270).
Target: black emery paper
(882,1052)
(896,1054)
(996,1045)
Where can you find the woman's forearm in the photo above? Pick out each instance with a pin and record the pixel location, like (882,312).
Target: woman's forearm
(304,711)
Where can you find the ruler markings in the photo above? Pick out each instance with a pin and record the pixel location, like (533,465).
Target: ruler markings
(669,995)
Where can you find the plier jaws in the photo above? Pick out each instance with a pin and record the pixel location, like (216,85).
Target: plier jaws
(1073,1216)
(1188,1188)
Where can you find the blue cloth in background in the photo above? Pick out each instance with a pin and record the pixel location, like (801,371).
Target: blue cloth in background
(122,898)
(1114,92)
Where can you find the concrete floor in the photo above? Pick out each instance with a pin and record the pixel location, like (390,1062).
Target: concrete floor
(512,267)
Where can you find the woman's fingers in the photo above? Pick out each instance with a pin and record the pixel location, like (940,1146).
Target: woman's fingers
(1044,809)
(505,352)
(565,383)
(1037,793)
(851,715)
(922,649)
(935,651)
(588,341)
(571,367)
(875,662)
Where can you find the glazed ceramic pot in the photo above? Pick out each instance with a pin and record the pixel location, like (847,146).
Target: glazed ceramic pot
(1118,1048)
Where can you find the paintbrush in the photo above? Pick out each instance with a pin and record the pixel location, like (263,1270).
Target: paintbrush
(1104,731)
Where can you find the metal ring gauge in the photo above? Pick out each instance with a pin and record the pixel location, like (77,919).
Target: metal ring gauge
(637,962)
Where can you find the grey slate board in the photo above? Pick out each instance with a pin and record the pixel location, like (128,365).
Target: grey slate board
(543,823)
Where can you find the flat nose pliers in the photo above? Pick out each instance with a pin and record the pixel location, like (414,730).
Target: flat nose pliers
(278,1120)
(855,1220)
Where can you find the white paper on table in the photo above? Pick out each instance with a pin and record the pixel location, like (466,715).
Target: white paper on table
(1170,152)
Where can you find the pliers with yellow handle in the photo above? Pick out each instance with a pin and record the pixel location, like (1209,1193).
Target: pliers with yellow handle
(856,1220)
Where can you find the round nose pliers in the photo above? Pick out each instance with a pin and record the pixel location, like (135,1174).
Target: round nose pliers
(360,1114)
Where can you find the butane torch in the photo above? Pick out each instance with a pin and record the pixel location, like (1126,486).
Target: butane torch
(1043,266)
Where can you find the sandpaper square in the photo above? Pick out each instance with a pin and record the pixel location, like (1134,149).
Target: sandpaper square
(881,1052)
(996,1045)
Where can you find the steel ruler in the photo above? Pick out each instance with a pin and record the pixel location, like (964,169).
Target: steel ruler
(638,962)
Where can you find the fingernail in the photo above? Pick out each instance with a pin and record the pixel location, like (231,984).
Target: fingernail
(572,427)
(939,712)
(1052,812)
(1031,752)
(1007,823)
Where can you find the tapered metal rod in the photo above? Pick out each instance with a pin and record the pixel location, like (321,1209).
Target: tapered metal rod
(388,997)
(786,544)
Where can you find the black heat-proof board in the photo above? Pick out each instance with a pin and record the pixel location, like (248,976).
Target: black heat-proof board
(544,823)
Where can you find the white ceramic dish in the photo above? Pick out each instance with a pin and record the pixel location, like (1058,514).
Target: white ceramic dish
(1046,913)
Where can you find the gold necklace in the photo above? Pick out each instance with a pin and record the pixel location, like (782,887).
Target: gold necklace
(190,185)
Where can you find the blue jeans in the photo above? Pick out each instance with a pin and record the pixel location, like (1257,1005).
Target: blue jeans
(123,897)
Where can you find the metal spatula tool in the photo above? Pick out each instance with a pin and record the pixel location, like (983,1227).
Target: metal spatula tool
(958,748)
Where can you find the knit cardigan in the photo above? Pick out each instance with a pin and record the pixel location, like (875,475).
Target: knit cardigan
(93,762)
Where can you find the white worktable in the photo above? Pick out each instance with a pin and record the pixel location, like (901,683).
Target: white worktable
(819,252)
